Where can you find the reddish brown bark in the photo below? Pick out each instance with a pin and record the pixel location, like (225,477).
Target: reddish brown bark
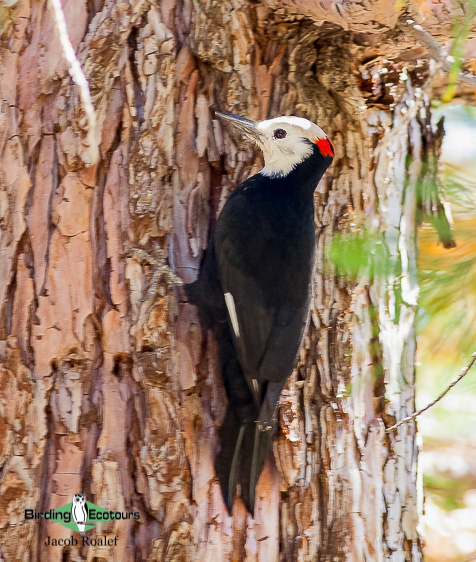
(119,398)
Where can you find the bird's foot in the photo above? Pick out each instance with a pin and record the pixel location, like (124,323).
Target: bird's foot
(266,425)
(267,422)
(161,271)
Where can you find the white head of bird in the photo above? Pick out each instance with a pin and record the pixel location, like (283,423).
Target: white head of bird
(285,141)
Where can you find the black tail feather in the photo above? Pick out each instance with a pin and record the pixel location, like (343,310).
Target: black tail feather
(244,449)
(259,447)
(231,441)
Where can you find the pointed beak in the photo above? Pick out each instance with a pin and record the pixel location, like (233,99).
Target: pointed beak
(244,125)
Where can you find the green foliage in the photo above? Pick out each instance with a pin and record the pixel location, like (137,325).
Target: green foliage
(461,27)
(5,15)
(445,490)
(359,254)
(430,207)
(460,189)
(447,296)
(446,327)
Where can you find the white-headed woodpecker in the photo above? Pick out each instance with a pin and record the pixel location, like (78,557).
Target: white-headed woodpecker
(254,288)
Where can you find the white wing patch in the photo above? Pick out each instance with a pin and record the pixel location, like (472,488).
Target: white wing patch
(230,305)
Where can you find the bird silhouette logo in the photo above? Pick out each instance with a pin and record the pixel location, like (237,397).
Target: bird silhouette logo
(79,510)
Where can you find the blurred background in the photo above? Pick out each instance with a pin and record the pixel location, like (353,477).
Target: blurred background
(446,340)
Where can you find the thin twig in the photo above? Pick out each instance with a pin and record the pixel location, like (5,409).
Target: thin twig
(435,50)
(442,395)
(78,76)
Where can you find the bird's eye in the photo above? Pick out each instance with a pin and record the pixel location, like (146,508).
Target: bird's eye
(279,134)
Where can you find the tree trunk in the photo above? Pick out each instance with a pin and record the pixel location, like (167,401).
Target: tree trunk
(105,394)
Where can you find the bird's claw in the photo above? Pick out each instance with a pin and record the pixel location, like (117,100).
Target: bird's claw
(161,271)
(264,426)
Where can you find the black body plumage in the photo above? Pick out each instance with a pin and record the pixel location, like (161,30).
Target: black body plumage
(262,254)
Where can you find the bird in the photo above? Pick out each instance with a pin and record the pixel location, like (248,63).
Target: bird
(254,289)
(79,510)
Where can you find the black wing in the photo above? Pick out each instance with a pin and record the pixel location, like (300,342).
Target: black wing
(265,273)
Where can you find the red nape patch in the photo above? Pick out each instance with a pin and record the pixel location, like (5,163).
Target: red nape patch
(325,146)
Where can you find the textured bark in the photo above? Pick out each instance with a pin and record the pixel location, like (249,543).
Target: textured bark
(121,399)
